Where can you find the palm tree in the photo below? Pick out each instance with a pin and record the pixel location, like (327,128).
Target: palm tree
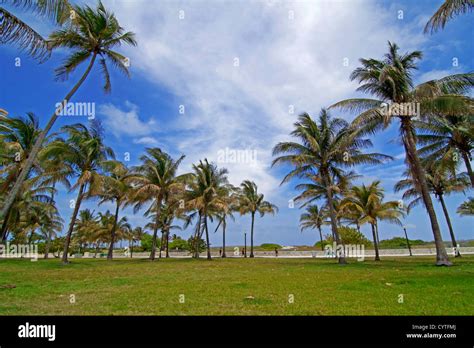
(448,10)
(137,235)
(390,80)
(229,203)
(86,227)
(16,31)
(92,34)
(84,151)
(440,183)
(154,180)
(17,136)
(466,208)
(314,218)
(116,188)
(204,196)
(323,150)
(444,137)
(252,202)
(368,201)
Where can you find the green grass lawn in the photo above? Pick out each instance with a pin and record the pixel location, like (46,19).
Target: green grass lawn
(237,287)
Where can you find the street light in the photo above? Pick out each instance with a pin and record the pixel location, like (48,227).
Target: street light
(408,242)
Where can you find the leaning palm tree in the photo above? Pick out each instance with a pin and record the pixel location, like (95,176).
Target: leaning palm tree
(448,10)
(117,189)
(85,152)
(466,208)
(205,195)
(368,201)
(18,32)
(390,81)
(93,34)
(314,218)
(252,202)
(443,138)
(323,150)
(440,183)
(152,182)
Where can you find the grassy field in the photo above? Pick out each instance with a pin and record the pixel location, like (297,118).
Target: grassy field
(236,287)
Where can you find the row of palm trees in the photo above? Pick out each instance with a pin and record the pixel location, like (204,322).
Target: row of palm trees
(78,158)
(328,147)
(325,151)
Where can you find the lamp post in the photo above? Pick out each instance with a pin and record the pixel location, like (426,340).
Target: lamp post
(245,244)
(408,242)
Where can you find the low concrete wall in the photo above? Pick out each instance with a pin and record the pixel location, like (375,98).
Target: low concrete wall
(299,254)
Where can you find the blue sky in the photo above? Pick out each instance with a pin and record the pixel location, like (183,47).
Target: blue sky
(240,69)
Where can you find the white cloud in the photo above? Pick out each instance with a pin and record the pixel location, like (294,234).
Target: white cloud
(146,141)
(125,122)
(282,62)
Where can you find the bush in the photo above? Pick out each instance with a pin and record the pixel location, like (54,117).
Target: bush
(399,242)
(270,246)
(146,242)
(348,235)
(178,243)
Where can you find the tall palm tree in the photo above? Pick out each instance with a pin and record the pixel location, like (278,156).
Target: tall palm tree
(229,203)
(390,81)
(323,150)
(154,180)
(448,10)
(315,218)
(440,183)
(16,31)
(93,34)
(444,137)
(252,202)
(204,196)
(116,188)
(368,201)
(466,208)
(85,152)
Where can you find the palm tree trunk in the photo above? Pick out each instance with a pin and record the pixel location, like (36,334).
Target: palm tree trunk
(155,228)
(47,244)
(467,162)
(321,237)
(197,237)
(223,238)
(332,214)
(207,237)
(130,245)
(162,242)
(376,247)
(421,185)
(39,142)
(450,227)
(167,243)
(110,255)
(71,224)
(5,226)
(251,235)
